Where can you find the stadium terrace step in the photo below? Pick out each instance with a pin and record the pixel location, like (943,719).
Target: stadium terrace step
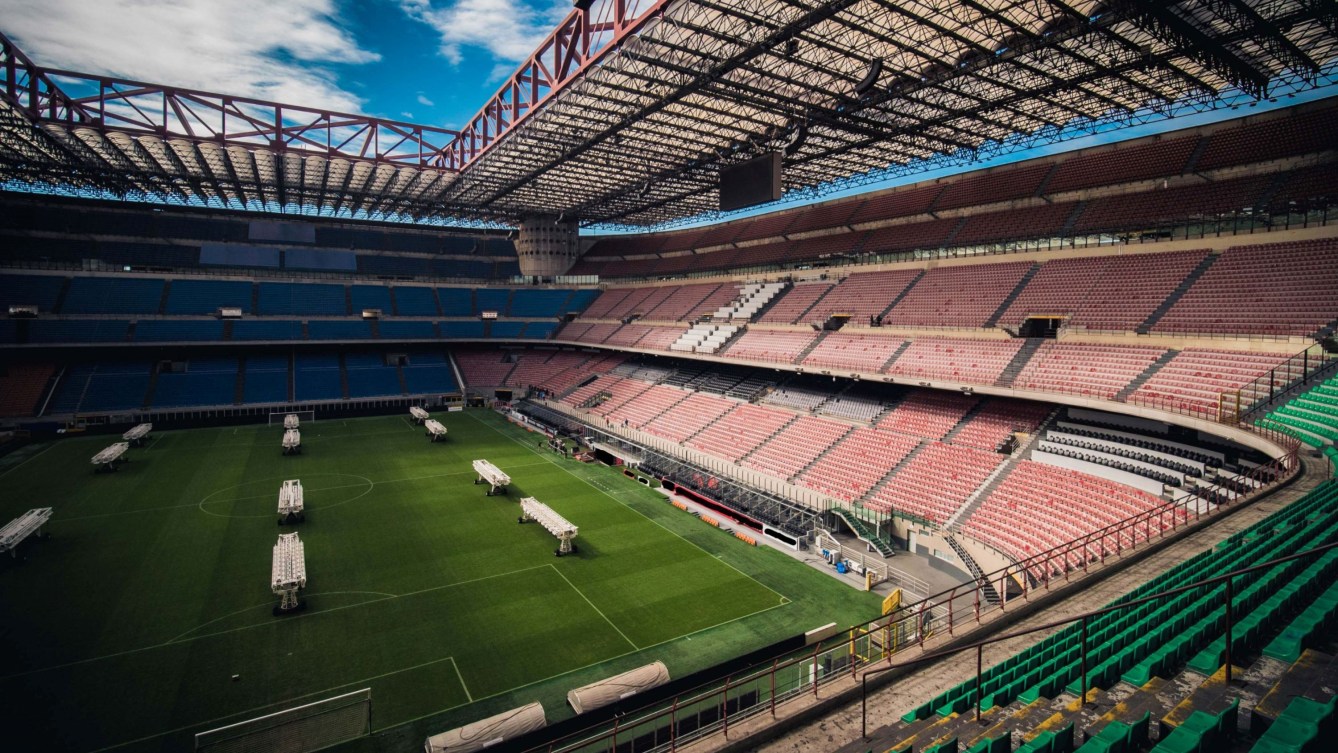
(991,594)
(59,306)
(1176,294)
(827,450)
(343,376)
(993,320)
(799,358)
(239,391)
(162,302)
(873,490)
(1146,374)
(893,303)
(1019,362)
(153,386)
(1311,676)
(893,359)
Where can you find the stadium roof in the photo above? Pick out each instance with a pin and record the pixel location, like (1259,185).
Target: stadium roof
(630,108)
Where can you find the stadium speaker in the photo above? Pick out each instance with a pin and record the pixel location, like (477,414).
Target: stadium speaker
(582,4)
(796,140)
(870,78)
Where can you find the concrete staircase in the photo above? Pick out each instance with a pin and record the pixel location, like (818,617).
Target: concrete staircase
(914,281)
(893,471)
(1176,294)
(1152,368)
(1008,299)
(865,533)
(798,359)
(1019,362)
(989,591)
(820,455)
(895,355)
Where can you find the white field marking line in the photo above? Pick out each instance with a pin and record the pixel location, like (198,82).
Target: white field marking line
(29,458)
(268,494)
(271,603)
(461,677)
(253,710)
(633,509)
(599,611)
(588,666)
(293,618)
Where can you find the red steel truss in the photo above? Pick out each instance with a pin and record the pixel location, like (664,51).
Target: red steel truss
(577,43)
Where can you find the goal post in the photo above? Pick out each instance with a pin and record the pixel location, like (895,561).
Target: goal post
(301,729)
(304,416)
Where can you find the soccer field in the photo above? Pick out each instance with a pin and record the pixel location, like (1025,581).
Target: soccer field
(124,629)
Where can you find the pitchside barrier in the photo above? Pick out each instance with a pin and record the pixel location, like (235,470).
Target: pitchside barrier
(303,416)
(302,729)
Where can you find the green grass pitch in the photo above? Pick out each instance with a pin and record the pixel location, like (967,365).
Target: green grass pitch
(124,629)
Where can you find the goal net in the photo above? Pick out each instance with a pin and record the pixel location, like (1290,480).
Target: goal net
(310,727)
(304,416)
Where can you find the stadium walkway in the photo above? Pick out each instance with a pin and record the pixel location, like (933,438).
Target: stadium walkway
(834,721)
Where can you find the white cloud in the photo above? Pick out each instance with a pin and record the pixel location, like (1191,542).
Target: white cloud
(508,29)
(423,100)
(269,50)
(406,115)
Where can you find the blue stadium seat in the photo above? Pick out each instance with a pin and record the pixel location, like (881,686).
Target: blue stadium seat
(300,298)
(265,329)
(461,330)
(368,376)
(539,303)
(581,300)
(371,297)
(78,330)
(206,296)
(392,330)
(455,301)
(506,329)
(33,290)
(316,377)
(492,299)
(266,379)
(539,330)
(178,330)
(113,295)
(348,329)
(210,381)
(412,301)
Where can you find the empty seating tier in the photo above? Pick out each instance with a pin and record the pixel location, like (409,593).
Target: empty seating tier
(795,446)
(768,345)
(1038,507)
(1273,289)
(958,360)
(935,482)
(1093,370)
(928,414)
(1195,379)
(865,353)
(958,296)
(853,465)
(740,431)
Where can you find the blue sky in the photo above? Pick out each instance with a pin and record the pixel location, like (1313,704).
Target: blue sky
(433,62)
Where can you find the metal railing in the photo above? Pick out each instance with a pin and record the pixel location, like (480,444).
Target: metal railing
(765,688)
(1085,618)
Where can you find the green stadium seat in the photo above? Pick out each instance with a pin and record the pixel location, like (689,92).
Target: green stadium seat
(949,746)
(1001,744)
